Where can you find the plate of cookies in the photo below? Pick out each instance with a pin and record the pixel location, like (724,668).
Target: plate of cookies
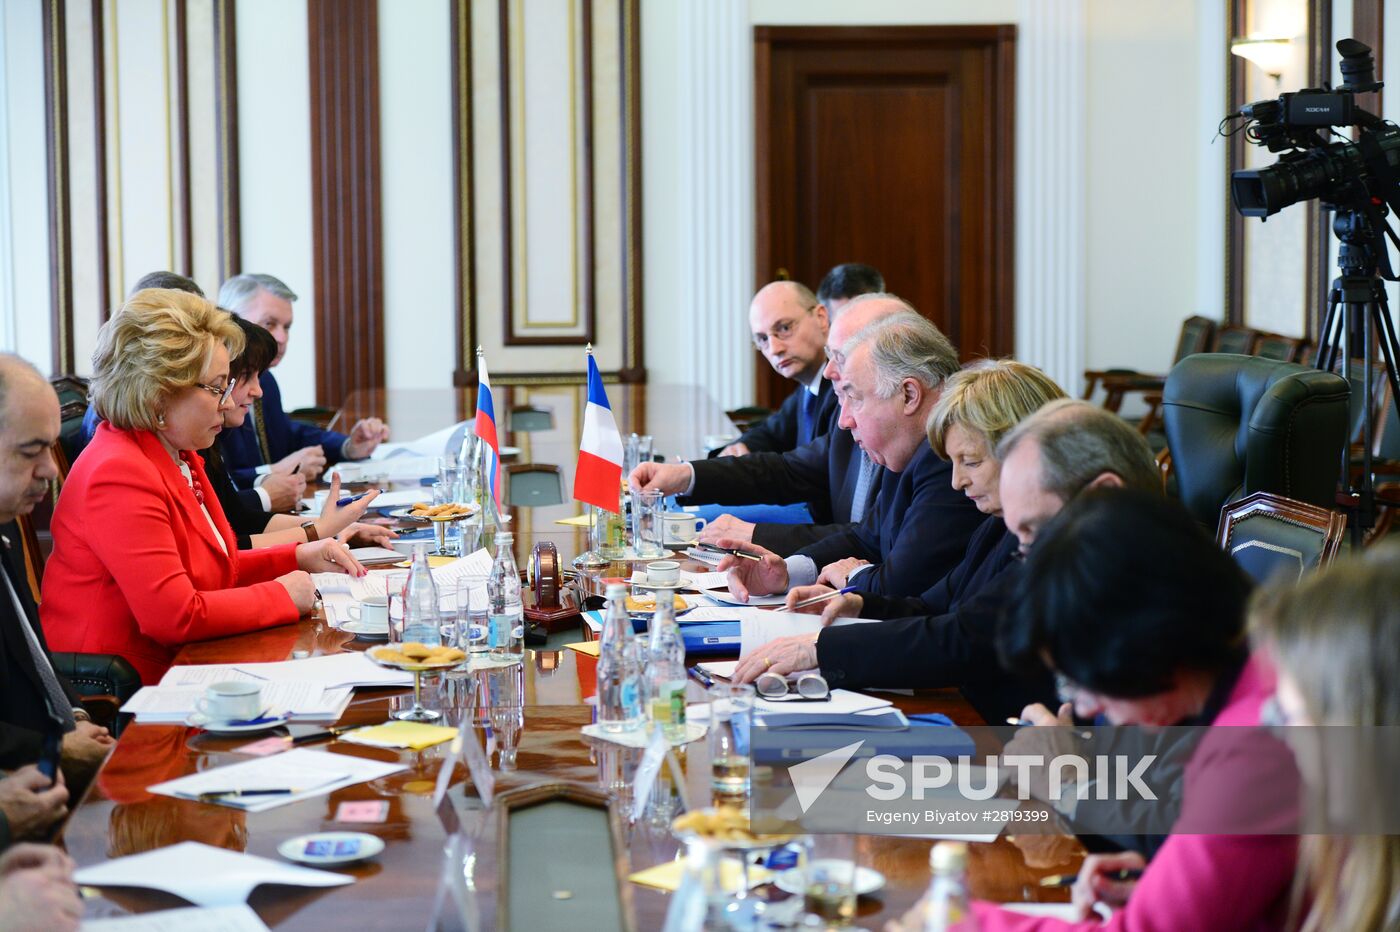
(725,827)
(426,511)
(415,657)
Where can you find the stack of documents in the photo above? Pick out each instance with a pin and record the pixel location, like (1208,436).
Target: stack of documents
(339,591)
(301,772)
(173,705)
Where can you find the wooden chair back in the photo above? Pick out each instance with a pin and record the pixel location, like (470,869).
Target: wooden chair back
(1238,340)
(1270,535)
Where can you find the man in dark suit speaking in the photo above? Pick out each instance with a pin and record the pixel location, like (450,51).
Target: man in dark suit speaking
(269,441)
(34,699)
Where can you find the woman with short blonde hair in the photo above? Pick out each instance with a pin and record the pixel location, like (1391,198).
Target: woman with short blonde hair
(159,342)
(979,404)
(144,560)
(987,398)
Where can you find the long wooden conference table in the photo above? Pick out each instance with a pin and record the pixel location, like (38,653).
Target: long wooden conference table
(398,889)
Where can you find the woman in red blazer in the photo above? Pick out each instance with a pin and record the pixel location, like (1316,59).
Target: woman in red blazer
(144,560)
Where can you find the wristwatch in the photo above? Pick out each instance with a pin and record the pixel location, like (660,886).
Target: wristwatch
(311,533)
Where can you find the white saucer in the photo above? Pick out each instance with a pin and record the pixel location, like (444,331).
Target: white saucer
(868,880)
(366,631)
(364,846)
(200,720)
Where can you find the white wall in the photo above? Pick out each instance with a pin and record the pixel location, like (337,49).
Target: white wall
(416,150)
(1147,210)
(274,161)
(24,225)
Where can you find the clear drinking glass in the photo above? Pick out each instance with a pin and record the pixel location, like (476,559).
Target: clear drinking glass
(394,584)
(648,530)
(473,614)
(731,718)
(828,879)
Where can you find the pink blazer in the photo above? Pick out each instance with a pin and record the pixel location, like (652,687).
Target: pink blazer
(136,569)
(1229,883)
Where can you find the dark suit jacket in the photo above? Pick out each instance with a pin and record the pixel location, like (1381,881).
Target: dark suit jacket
(917,532)
(822,473)
(956,647)
(284,436)
(777,433)
(24,715)
(990,551)
(242,507)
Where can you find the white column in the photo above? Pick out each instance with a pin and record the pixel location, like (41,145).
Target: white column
(698,333)
(1050,159)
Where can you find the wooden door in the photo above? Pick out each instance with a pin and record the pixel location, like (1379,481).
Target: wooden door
(892,146)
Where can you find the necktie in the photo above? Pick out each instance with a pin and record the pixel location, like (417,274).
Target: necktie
(806,410)
(60,707)
(261,431)
(863,481)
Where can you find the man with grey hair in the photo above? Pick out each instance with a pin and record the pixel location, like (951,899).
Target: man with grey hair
(1049,458)
(1061,450)
(891,375)
(269,442)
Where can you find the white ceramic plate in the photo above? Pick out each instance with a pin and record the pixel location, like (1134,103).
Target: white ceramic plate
(366,631)
(338,848)
(868,880)
(200,720)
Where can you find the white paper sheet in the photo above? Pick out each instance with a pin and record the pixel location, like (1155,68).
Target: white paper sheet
(704,580)
(174,704)
(202,874)
(721,668)
(240,918)
(375,554)
(404,468)
(722,596)
(473,564)
(842,702)
(758,628)
(313,773)
(402,498)
(202,674)
(357,588)
(350,668)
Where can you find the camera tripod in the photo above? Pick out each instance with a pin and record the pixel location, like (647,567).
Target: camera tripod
(1358,298)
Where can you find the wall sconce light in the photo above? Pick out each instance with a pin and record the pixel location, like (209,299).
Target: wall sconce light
(1270,53)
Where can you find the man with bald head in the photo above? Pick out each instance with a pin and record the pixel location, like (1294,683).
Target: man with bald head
(789,328)
(35,700)
(831,474)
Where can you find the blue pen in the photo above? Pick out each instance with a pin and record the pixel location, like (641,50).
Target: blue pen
(700,676)
(353,498)
(823,597)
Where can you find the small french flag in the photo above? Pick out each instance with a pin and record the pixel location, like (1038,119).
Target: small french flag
(598,478)
(486,430)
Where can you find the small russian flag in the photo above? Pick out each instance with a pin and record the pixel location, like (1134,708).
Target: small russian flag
(598,478)
(486,430)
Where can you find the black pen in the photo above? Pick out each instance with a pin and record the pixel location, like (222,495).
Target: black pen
(1067,880)
(329,733)
(732,550)
(700,676)
(215,795)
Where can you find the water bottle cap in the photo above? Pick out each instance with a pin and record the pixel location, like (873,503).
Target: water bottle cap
(615,592)
(948,856)
(504,537)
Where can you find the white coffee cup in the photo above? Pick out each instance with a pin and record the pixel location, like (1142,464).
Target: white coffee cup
(371,610)
(682,526)
(320,500)
(663,573)
(231,701)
